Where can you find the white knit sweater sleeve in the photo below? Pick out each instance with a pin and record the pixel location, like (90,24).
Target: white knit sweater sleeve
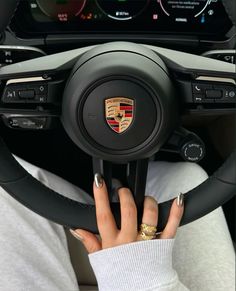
(145,265)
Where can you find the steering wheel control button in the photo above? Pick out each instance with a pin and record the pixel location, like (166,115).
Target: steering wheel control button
(27,123)
(10,95)
(41,89)
(41,99)
(27,94)
(229,94)
(202,93)
(199,88)
(201,98)
(214,94)
(229,58)
(198,98)
(193,152)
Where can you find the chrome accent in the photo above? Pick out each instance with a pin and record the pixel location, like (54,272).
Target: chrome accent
(22,48)
(180,200)
(98,181)
(216,52)
(216,79)
(26,80)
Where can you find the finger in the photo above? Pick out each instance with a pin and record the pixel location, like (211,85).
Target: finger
(105,219)
(89,240)
(150,212)
(129,224)
(174,219)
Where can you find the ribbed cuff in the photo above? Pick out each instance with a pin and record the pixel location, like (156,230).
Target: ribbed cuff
(144,265)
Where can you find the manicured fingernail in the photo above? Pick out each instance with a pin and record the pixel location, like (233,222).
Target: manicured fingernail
(76,234)
(180,200)
(98,180)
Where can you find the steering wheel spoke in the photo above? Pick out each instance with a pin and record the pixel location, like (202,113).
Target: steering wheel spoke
(104,168)
(31,103)
(207,96)
(135,178)
(31,91)
(205,86)
(56,64)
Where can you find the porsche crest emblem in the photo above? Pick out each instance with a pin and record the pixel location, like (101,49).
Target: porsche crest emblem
(119,113)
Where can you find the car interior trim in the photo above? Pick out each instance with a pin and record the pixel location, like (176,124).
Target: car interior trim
(22,48)
(218,79)
(27,80)
(214,52)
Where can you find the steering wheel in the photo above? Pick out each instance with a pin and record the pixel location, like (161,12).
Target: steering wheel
(120,102)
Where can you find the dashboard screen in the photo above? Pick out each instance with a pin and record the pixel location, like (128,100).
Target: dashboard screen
(78,16)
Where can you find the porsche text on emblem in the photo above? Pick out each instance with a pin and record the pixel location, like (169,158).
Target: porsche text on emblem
(119,113)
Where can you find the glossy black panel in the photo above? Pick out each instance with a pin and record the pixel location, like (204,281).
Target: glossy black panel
(207,18)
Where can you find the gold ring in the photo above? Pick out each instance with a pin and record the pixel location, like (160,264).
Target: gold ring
(145,236)
(148,229)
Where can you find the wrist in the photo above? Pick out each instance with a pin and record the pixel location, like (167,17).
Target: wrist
(137,266)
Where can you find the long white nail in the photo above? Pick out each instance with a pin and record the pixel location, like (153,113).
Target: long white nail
(180,200)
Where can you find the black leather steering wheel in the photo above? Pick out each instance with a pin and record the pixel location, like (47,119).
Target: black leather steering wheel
(120,105)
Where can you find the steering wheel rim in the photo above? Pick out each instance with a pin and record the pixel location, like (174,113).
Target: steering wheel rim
(214,192)
(59,209)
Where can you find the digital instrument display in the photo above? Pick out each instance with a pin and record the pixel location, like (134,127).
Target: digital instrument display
(124,16)
(122,9)
(184,9)
(62,10)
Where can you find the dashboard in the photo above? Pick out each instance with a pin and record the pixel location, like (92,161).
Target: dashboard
(191,17)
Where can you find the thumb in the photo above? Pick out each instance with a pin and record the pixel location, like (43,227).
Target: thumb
(88,239)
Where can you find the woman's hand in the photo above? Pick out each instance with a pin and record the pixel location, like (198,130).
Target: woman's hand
(111,236)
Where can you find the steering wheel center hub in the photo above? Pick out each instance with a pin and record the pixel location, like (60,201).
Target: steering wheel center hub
(120,114)
(119,105)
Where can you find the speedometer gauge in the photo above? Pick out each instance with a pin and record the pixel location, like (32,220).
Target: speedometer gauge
(184,9)
(122,9)
(62,10)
